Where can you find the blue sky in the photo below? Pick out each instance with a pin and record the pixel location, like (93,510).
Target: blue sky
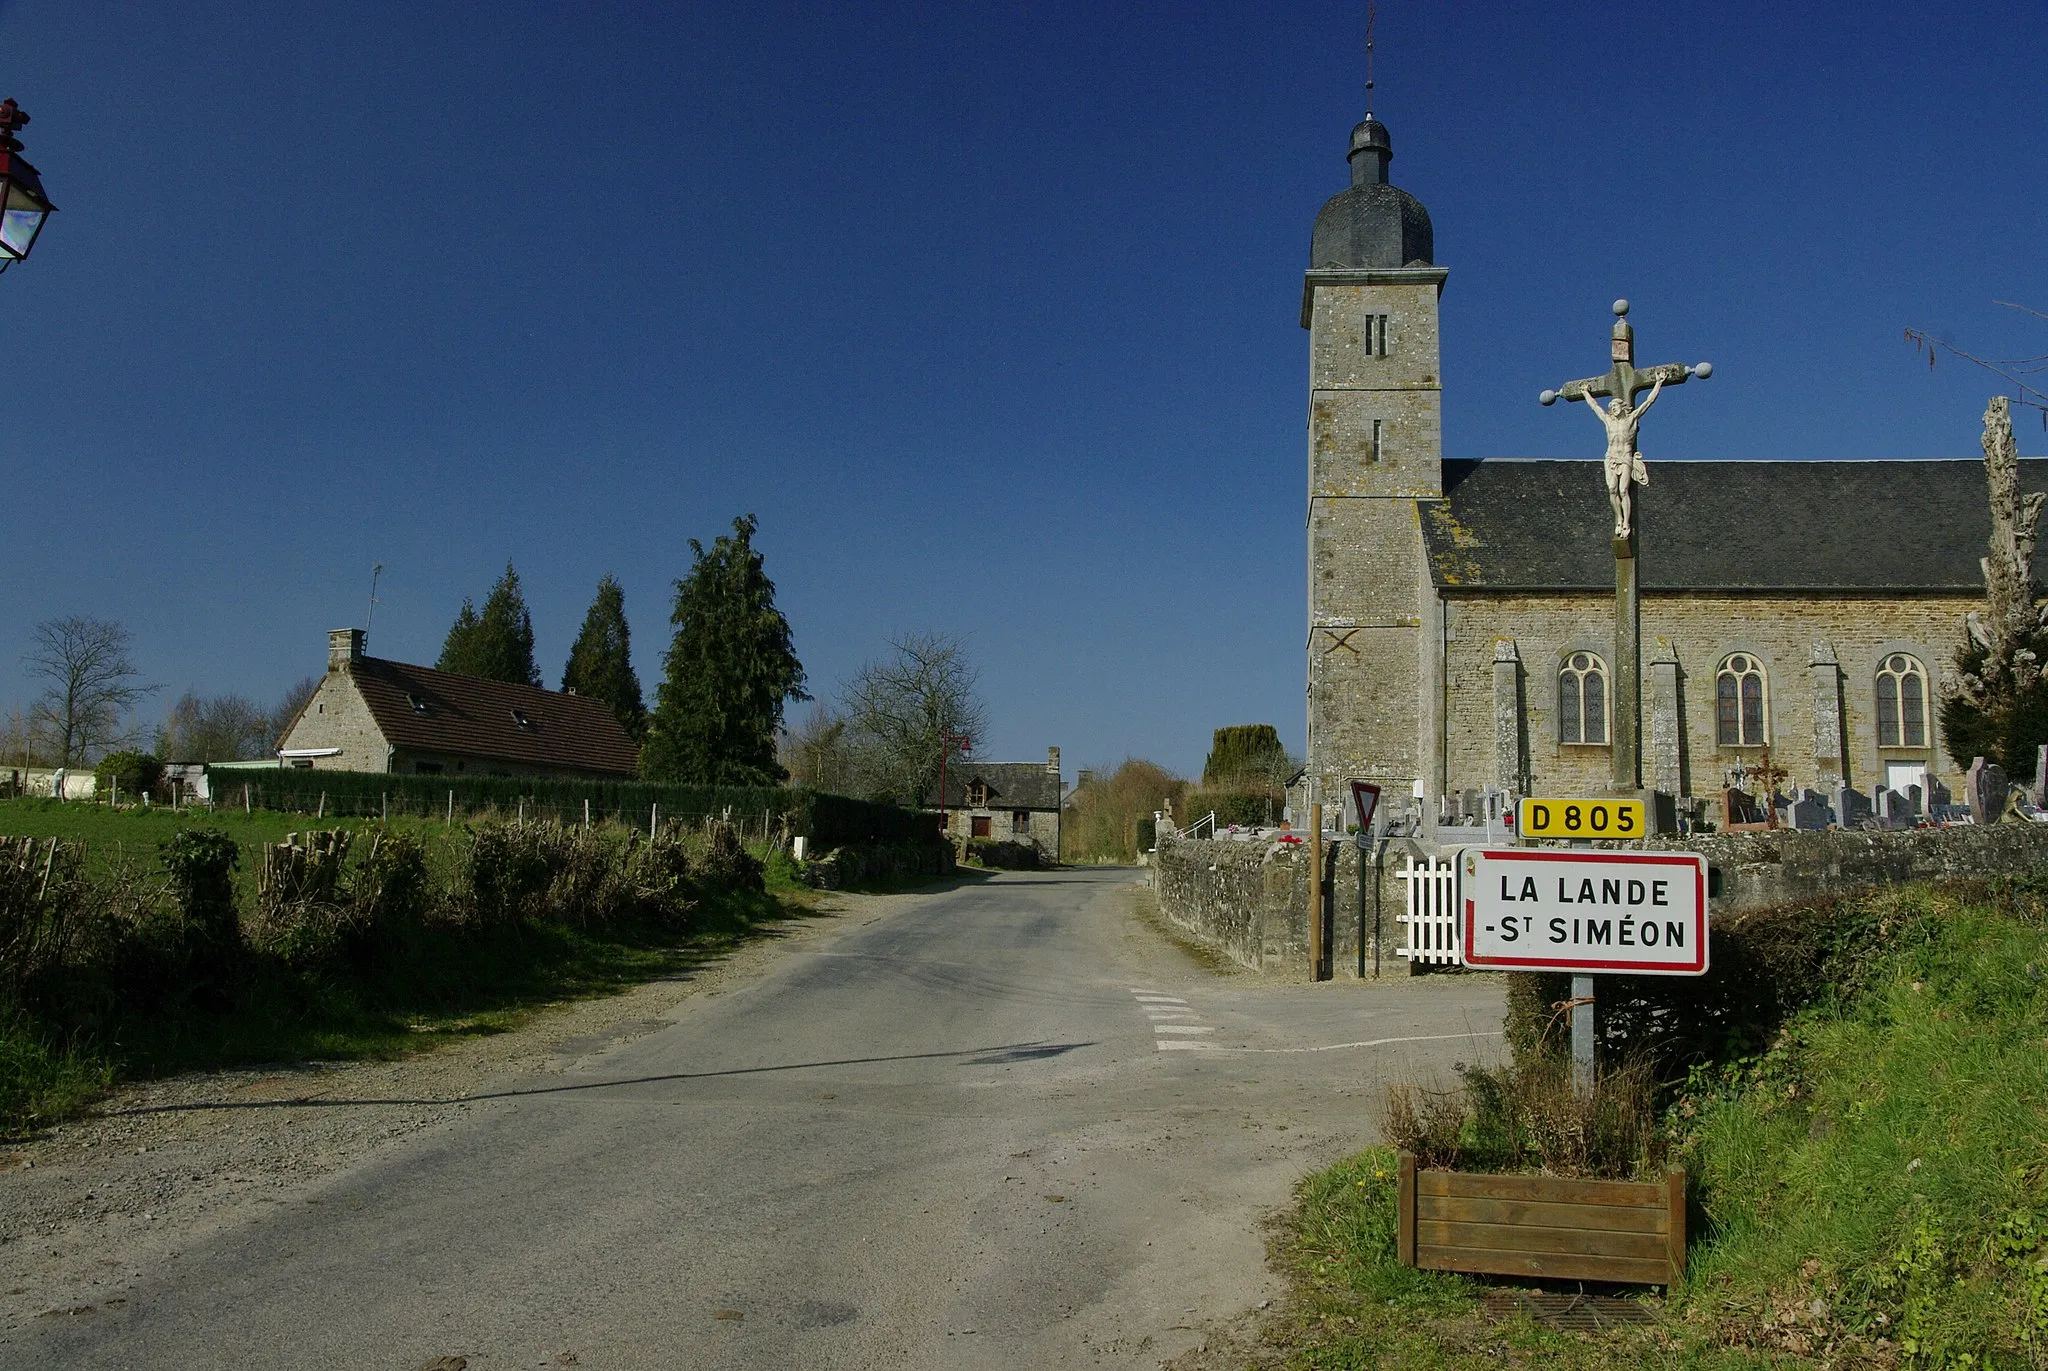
(989,312)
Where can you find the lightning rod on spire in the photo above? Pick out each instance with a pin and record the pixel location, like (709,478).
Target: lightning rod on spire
(1371,13)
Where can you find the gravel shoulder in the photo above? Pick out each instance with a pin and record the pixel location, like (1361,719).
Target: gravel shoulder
(89,1207)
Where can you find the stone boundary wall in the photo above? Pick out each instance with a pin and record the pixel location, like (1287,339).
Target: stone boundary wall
(1753,870)
(1249,900)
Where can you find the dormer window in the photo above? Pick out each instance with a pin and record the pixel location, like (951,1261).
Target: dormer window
(519,718)
(977,794)
(419,706)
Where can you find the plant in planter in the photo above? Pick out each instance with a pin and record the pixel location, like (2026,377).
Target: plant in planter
(1467,1201)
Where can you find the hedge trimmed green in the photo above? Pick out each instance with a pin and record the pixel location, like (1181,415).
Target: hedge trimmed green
(827,820)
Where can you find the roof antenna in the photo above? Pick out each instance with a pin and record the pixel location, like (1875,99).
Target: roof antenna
(1371,13)
(376,570)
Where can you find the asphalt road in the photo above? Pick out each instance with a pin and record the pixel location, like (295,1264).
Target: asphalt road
(1010,1126)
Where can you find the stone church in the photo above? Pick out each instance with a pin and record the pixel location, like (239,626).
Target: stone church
(1461,611)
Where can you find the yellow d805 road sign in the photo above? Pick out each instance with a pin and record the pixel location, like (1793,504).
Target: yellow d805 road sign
(1580,819)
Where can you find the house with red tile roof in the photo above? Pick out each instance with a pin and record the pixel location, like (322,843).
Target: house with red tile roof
(375,715)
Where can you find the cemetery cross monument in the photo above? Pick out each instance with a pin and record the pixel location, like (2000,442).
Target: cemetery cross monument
(1623,469)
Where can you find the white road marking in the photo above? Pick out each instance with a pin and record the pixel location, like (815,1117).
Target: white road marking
(1183,1028)
(1178,1045)
(1160,999)
(1370,1042)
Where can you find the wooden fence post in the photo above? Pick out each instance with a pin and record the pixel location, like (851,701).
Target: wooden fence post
(1674,1203)
(1404,1220)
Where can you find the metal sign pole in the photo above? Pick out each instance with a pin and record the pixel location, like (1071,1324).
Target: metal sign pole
(1582,1037)
(1365,801)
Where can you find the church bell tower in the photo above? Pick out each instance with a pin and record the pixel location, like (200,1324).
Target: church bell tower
(1375,448)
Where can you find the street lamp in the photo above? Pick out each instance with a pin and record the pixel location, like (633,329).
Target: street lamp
(23,206)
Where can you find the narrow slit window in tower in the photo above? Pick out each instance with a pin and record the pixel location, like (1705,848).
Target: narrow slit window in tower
(1377,428)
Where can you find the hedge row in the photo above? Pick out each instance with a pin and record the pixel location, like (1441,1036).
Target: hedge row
(1766,964)
(826,820)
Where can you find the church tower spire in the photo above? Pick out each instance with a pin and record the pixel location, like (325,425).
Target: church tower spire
(1375,453)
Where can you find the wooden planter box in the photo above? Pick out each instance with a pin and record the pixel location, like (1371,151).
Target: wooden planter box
(1631,1231)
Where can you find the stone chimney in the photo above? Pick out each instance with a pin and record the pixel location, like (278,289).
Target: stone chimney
(1052,760)
(344,645)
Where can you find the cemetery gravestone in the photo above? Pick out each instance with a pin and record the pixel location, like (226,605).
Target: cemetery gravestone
(1986,791)
(1809,812)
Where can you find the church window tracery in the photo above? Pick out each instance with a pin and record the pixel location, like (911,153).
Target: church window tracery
(1741,702)
(1902,702)
(1582,699)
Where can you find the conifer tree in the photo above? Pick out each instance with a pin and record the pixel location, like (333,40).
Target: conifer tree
(728,672)
(601,662)
(1246,753)
(496,644)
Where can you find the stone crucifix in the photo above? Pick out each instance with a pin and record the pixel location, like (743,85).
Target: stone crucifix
(1622,470)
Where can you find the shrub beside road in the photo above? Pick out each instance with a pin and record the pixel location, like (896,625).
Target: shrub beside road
(139,943)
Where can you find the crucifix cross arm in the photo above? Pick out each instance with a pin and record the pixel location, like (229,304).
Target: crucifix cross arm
(1628,382)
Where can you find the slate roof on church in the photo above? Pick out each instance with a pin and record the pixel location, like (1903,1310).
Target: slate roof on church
(419,708)
(1011,785)
(1741,526)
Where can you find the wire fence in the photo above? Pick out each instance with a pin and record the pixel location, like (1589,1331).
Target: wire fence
(763,825)
(446,840)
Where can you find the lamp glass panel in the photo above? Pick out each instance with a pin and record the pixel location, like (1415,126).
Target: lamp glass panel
(20,220)
(18,228)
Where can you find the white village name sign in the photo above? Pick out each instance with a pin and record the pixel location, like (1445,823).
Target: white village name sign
(1634,913)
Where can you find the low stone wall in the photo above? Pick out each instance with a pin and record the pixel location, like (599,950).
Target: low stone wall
(859,864)
(1249,900)
(1752,870)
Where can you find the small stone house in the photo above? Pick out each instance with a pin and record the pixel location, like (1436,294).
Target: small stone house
(373,715)
(1017,802)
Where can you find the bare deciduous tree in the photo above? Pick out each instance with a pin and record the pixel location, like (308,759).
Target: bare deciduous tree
(90,683)
(296,697)
(904,709)
(819,754)
(214,728)
(2012,369)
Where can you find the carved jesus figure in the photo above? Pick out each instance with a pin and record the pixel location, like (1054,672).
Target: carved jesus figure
(1624,463)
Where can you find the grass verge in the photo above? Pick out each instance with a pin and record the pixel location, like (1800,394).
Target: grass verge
(107,1003)
(448,987)
(1873,1191)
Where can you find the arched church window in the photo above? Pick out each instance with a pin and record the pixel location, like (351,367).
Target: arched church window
(1741,702)
(1901,702)
(1582,699)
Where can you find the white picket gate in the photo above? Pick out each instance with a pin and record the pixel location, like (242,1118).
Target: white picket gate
(1432,913)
